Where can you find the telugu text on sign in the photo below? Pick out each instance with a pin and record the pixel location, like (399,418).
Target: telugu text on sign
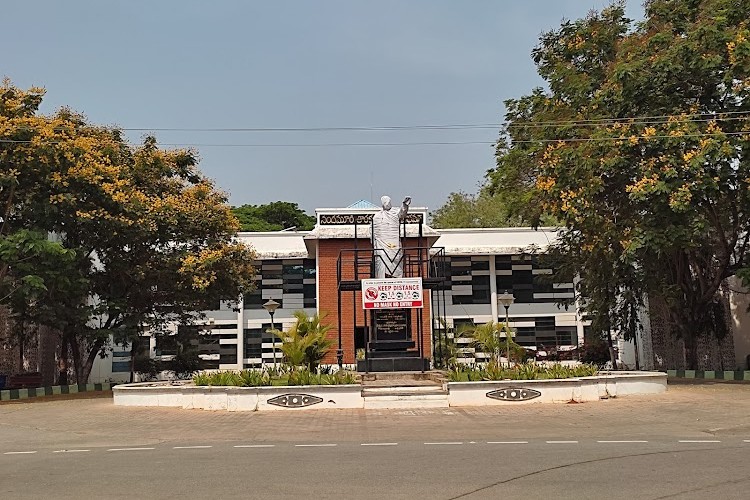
(392,293)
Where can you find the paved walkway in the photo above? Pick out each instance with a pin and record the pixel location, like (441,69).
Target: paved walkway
(685,411)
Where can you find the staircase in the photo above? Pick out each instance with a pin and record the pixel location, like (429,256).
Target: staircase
(392,356)
(404,390)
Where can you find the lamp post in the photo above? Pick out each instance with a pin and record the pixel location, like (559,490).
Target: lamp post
(506,299)
(271,306)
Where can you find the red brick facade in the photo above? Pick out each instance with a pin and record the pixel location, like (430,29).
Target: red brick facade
(328,255)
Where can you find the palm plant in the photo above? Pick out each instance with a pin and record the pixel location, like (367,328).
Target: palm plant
(305,342)
(446,352)
(494,340)
(485,337)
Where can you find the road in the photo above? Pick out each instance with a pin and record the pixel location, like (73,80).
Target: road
(689,443)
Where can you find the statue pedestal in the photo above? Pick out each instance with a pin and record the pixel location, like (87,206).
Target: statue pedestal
(391,347)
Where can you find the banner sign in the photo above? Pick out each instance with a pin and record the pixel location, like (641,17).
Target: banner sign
(350,219)
(392,293)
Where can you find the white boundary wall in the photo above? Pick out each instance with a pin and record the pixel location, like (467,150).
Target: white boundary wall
(296,398)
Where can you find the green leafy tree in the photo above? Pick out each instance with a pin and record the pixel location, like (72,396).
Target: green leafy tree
(639,147)
(273,217)
(475,210)
(141,236)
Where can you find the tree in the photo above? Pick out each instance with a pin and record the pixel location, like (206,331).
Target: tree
(273,217)
(639,147)
(39,278)
(38,272)
(145,237)
(475,210)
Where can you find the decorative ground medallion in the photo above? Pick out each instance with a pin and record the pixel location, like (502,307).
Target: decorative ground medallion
(295,400)
(514,394)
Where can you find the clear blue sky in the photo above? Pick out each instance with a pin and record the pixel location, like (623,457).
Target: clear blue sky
(290,64)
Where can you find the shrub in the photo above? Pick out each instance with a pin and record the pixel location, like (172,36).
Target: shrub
(304,376)
(185,363)
(148,367)
(254,378)
(524,371)
(261,378)
(595,351)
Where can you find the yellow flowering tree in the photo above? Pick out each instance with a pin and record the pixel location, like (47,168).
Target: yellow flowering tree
(153,238)
(640,147)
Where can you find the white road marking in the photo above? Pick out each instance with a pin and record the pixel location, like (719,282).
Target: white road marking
(378,444)
(129,449)
(562,442)
(699,441)
(69,451)
(255,446)
(507,442)
(746,440)
(315,445)
(190,447)
(18,452)
(623,441)
(448,442)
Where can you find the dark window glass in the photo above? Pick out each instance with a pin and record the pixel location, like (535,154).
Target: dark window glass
(120,366)
(254,299)
(308,291)
(460,270)
(504,282)
(503,262)
(543,283)
(292,269)
(308,270)
(480,265)
(480,282)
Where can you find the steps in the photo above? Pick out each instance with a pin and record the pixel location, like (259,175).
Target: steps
(407,362)
(404,390)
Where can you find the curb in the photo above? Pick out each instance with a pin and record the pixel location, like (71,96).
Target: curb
(15,394)
(710,374)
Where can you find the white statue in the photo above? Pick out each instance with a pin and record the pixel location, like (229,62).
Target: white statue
(387,243)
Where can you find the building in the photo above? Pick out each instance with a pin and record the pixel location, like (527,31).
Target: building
(301,270)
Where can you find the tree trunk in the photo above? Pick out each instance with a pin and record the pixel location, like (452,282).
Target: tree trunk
(133,350)
(20,351)
(75,351)
(62,373)
(691,352)
(88,363)
(637,354)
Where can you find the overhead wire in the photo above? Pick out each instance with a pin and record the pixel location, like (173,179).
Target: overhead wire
(638,120)
(503,128)
(423,143)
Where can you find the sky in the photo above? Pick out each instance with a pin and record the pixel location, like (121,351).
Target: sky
(205,65)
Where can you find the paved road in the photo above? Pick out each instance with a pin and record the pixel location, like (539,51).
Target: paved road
(690,443)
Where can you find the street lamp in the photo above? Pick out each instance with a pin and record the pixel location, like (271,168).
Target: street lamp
(506,299)
(271,306)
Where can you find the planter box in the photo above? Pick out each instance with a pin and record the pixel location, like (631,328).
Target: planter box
(495,393)
(239,398)
(313,397)
(304,397)
(580,390)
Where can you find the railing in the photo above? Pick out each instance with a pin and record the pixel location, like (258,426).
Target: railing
(429,263)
